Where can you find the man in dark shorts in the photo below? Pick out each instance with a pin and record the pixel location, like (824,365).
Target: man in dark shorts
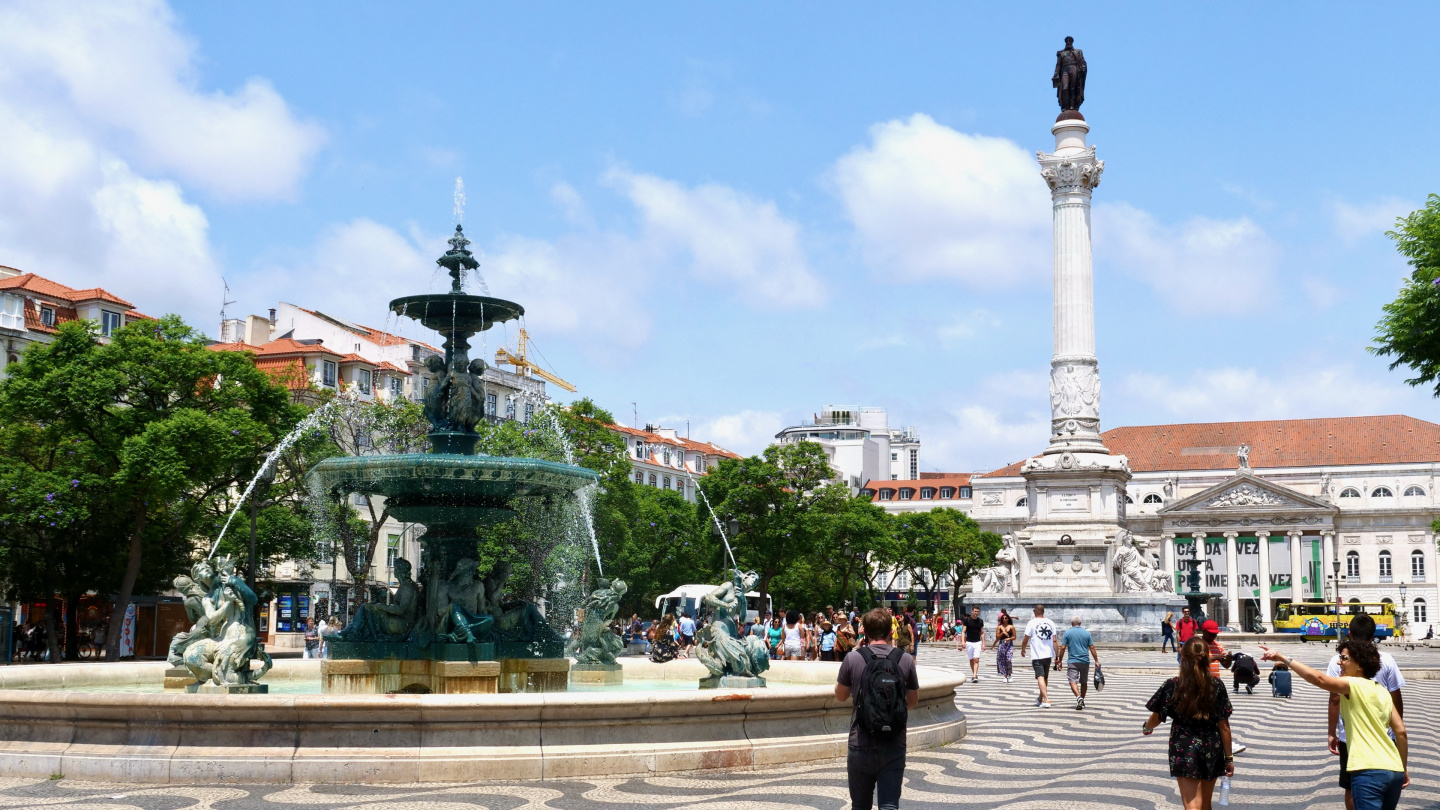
(875,766)
(687,632)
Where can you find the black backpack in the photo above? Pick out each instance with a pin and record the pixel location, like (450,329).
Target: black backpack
(880,696)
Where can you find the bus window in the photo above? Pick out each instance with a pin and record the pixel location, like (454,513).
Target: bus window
(1283,613)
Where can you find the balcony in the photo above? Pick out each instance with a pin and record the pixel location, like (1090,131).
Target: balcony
(1386,579)
(1417,579)
(1352,579)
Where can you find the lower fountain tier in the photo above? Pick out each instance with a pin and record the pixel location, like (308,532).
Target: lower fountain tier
(441,651)
(1121,618)
(438,677)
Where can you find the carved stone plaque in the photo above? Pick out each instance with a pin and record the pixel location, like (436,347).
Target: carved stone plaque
(1070,500)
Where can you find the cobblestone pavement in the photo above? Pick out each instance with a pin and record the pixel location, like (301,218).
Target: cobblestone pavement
(1015,756)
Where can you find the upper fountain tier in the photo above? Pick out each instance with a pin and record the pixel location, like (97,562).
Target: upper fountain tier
(455,313)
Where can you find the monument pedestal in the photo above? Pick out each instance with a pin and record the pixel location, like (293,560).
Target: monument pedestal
(597,674)
(732,682)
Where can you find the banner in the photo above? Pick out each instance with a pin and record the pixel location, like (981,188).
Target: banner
(127,632)
(1215,574)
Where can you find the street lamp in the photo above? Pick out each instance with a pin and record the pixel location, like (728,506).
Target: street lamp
(1404,617)
(1335,565)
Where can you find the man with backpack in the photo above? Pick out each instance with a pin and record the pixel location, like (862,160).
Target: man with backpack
(883,682)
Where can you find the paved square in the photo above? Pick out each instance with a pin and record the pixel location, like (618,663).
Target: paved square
(1016,757)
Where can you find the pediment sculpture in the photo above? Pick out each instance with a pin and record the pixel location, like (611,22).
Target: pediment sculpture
(1248,495)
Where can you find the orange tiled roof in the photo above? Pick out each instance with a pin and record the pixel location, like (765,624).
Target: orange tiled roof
(389,366)
(689,444)
(139,316)
(929,480)
(1330,442)
(281,347)
(39,285)
(375,336)
(62,315)
(355,358)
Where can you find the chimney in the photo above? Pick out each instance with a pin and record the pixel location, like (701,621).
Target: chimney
(272,316)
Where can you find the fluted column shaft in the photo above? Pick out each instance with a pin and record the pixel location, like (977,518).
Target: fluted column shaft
(1297,563)
(1232,581)
(1264,539)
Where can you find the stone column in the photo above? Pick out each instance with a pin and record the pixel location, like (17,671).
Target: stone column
(1198,547)
(1072,173)
(1167,555)
(1297,562)
(1264,539)
(1329,553)
(1232,584)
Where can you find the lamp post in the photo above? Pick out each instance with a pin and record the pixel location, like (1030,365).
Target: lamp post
(1335,565)
(1404,617)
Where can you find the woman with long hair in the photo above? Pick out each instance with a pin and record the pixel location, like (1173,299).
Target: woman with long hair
(1004,645)
(1198,707)
(793,637)
(1378,766)
(1167,631)
(663,646)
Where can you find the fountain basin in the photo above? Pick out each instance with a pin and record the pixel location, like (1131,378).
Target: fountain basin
(284,738)
(456,312)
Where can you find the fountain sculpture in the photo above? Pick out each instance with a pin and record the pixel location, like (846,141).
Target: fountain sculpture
(450,630)
(735,660)
(220,645)
(595,646)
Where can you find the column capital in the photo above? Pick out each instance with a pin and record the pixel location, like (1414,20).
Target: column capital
(1077,172)
(1199,536)
(1231,535)
(1262,533)
(1296,533)
(1167,535)
(1327,532)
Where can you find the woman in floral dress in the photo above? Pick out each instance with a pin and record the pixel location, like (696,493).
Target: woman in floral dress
(1198,707)
(1004,646)
(663,646)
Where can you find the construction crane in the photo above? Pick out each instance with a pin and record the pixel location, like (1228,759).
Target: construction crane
(524,367)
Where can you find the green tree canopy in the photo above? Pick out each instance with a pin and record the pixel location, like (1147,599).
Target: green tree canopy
(1409,332)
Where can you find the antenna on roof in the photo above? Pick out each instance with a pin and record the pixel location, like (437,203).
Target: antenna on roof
(225,302)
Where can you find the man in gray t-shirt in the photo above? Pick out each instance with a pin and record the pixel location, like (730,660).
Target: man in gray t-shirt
(1077,646)
(875,768)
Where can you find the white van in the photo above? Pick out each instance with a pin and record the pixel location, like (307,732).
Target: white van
(686,599)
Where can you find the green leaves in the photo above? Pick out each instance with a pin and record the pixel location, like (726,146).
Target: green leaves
(1410,329)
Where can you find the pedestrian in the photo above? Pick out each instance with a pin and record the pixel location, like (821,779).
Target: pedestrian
(774,636)
(1185,629)
(882,680)
(322,629)
(1004,645)
(793,637)
(1210,634)
(844,637)
(1167,632)
(687,634)
(663,646)
(1077,649)
(1376,764)
(1041,632)
(908,617)
(312,640)
(1362,628)
(1198,708)
(828,639)
(974,641)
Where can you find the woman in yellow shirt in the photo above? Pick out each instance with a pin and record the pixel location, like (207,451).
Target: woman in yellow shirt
(1377,766)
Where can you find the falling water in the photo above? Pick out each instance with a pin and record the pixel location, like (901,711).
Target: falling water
(585,495)
(713,516)
(314,421)
(459,201)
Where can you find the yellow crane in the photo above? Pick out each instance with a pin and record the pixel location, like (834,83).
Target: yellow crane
(524,367)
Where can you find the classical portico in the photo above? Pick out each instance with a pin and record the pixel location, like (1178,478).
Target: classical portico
(1255,536)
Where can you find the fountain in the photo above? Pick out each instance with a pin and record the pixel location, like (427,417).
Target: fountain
(449,631)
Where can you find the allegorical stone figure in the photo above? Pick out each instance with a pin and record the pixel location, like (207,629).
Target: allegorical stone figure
(378,621)
(723,649)
(596,643)
(1069,78)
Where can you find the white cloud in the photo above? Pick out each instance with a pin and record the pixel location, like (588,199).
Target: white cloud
(747,432)
(572,205)
(969,325)
(1203,267)
(732,239)
(927,202)
(121,73)
(1238,394)
(1322,293)
(1354,222)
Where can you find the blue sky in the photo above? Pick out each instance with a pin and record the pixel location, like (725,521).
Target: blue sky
(736,214)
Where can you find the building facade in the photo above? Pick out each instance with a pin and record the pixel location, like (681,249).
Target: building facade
(860,445)
(1281,511)
(32,307)
(662,458)
(930,490)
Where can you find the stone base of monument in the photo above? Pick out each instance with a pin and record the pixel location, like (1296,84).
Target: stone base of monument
(535,675)
(1131,617)
(597,674)
(231,689)
(732,682)
(177,678)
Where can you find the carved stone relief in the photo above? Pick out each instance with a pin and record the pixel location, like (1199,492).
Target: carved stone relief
(1248,495)
(1075,392)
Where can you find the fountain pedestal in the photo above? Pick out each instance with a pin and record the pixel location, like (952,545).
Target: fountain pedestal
(732,682)
(597,674)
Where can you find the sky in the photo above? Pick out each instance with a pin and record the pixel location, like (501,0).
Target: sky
(733,215)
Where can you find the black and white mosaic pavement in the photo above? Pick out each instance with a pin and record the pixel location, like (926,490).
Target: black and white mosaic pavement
(1016,757)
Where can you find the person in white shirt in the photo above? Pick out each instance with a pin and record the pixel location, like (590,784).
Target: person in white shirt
(1040,633)
(324,628)
(1362,628)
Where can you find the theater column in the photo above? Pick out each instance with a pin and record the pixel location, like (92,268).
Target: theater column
(1263,538)
(1232,582)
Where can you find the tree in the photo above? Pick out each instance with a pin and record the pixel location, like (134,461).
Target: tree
(859,534)
(167,425)
(669,542)
(779,500)
(1409,332)
(941,542)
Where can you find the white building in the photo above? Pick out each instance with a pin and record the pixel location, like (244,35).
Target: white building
(1357,491)
(664,459)
(31,307)
(860,445)
(929,491)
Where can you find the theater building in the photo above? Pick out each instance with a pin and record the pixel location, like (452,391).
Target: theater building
(1339,506)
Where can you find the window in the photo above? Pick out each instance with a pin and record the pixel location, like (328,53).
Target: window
(894,456)
(1023,502)
(1413,492)
(869,493)
(1420,615)
(47,316)
(362,379)
(1350,492)
(1417,566)
(906,493)
(946,493)
(666,481)
(902,580)
(109,322)
(639,449)
(1385,567)
(914,464)
(424,386)
(965,493)
(1153,498)
(1352,565)
(1129,500)
(392,550)
(887,494)
(1381,492)
(509,408)
(700,464)
(490,403)
(327,373)
(680,485)
(652,479)
(927,493)
(666,454)
(397,387)
(639,477)
(529,411)
(12,312)
(326,552)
